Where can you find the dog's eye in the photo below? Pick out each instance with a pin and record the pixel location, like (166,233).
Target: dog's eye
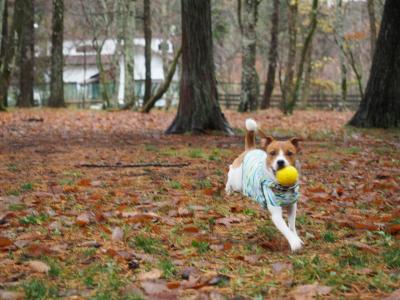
(289,153)
(272,153)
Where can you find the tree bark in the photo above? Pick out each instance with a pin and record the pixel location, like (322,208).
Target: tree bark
(147,49)
(380,106)
(26,53)
(272,57)
(57,58)
(305,92)
(299,76)
(287,91)
(339,38)
(164,86)
(250,89)
(3,42)
(198,109)
(129,53)
(372,25)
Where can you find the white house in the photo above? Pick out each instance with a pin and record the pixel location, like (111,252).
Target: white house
(80,64)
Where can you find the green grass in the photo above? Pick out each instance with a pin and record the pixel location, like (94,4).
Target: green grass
(349,256)
(12,168)
(16,206)
(26,187)
(201,247)
(148,244)
(351,150)
(36,289)
(204,183)
(33,219)
(329,237)
(168,268)
(151,147)
(196,153)
(392,258)
(176,185)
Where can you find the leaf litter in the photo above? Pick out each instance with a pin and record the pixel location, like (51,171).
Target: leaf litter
(171,232)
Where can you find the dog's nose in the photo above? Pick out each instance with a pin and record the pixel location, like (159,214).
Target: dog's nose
(280,163)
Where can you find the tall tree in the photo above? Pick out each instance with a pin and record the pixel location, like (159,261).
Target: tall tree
(57,59)
(8,49)
(147,48)
(250,82)
(306,48)
(128,50)
(372,25)
(198,109)
(287,89)
(272,57)
(339,39)
(380,106)
(3,42)
(26,53)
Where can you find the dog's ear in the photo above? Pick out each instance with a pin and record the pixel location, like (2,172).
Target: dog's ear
(266,140)
(295,141)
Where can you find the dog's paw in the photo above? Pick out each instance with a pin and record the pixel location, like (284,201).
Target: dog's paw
(296,244)
(228,190)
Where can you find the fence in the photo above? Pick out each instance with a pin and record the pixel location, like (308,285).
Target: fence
(320,101)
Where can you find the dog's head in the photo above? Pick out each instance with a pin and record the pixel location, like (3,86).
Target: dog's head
(281,153)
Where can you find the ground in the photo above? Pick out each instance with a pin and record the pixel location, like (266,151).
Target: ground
(69,231)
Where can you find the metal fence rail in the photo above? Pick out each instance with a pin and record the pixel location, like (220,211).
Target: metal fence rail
(321,101)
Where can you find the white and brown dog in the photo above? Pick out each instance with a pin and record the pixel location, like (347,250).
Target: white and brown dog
(253,174)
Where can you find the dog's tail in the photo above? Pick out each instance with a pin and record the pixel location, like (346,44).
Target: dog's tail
(250,138)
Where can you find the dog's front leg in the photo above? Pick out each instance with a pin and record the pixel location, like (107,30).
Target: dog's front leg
(276,216)
(292,217)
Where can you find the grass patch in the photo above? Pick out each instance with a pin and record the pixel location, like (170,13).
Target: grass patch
(196,153)
(16,206)
(168,268)
(392,258)
(349,256)
(329,237)
(201,247)
(204,183)
(148,244)
(36,289)
(12,168)
(26,187)
(176,185)
(151,148)
(33,219)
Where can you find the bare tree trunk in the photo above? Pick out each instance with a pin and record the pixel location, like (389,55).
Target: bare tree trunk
(305,93)
(250,89)
(102,77)
(57,58)
(165,47)
(26,54)
(372,25)
(299,76)
(380,106)
(287,91)
(198,109)
(147,49)
(3,47)
(339,38)
(272,57)
(129,54)
(164,86)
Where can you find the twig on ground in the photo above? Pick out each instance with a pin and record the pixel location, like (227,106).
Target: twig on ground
(137,165)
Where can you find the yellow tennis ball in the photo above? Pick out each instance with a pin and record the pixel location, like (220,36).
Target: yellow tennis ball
(287,176)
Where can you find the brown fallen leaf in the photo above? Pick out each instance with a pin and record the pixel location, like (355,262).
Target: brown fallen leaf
(37,250)
(279,267)
(117,234)
(10,295)
(393,229)
(190,229)
(5,242)
(39,266)
(227,221)
(152,274)
(84,219)
(393,296)
(309,291)
(363,246)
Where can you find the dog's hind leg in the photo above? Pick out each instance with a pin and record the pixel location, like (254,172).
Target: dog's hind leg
(276,216)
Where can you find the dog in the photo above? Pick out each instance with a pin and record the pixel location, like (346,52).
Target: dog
(253,174)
